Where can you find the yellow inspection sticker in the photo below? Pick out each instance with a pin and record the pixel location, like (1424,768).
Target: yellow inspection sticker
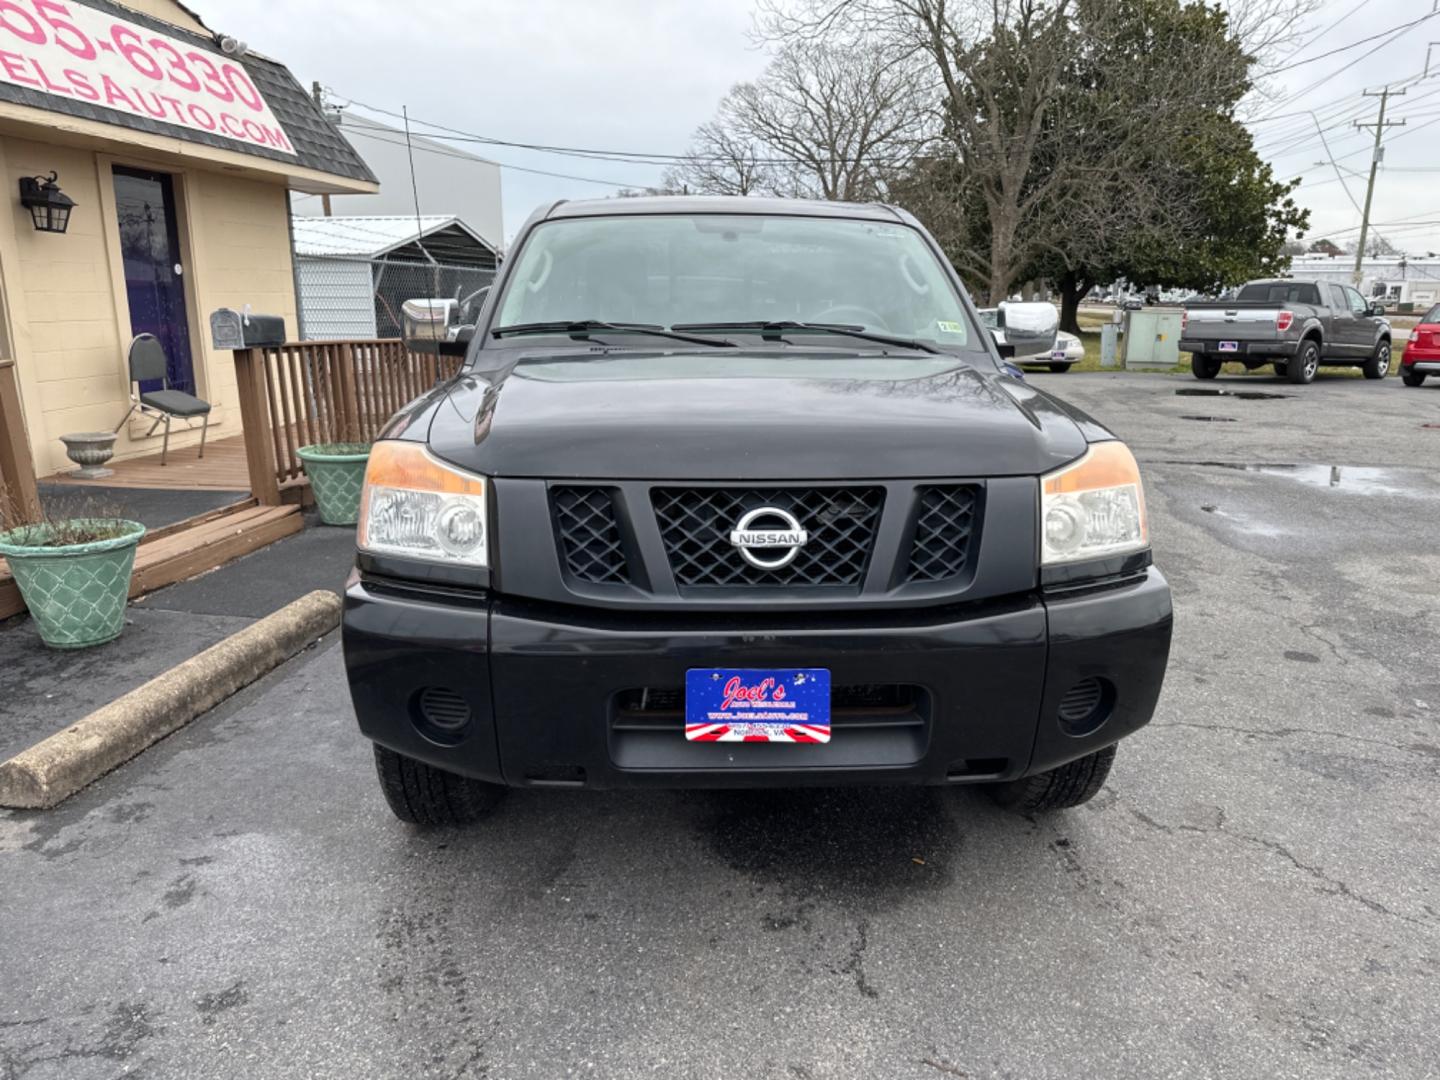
(950,327)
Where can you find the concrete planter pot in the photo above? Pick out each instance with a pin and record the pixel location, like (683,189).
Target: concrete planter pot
(76,593)
(90,450)
(337,473)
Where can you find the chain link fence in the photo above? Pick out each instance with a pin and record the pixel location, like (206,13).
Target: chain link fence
(359,299)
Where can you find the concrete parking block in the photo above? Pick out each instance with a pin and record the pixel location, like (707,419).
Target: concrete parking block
(57,767)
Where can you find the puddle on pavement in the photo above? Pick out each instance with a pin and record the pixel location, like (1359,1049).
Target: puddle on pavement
(1246,524)
(1220,391)
(1360,479)
(1213,419)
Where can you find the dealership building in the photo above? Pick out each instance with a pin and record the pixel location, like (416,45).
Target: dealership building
(149,162)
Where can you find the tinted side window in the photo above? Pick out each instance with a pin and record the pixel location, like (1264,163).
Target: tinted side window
(1337,298)
(1357,302)
(1433,315)
(1280,292)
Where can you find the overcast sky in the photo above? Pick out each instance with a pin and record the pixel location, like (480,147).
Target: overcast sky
(641,74)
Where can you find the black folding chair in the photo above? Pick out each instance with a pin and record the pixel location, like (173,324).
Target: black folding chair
(147,361)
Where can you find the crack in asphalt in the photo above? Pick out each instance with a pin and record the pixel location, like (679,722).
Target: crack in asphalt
(130,1024)
(855,965)
(1312,630)
(1421,749)
(943,1066)
(1337,887)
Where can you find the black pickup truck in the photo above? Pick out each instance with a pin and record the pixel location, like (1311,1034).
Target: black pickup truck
(735,492)
(1296,325)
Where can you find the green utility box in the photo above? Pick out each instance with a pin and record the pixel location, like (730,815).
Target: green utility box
(1152,340)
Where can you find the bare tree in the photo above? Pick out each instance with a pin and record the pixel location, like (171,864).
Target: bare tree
(825,120)
(1048,106)
(722,160)
(1377,245)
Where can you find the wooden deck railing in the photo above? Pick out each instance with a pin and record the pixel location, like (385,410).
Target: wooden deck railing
(323,392)
(19,499)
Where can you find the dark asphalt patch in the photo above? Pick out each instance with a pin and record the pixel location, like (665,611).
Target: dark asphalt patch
(869,848)
(1215,391)
(317,558)
(43,691)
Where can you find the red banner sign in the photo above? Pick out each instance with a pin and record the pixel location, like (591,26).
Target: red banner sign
(70,50)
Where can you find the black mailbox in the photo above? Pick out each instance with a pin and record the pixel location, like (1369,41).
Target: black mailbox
(231,329)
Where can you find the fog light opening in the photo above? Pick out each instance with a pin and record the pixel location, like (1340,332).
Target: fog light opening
(1086,706)
(440,714)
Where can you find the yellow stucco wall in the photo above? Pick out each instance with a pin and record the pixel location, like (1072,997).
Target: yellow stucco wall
(65,296)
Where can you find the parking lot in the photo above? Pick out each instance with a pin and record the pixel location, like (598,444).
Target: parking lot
(1253,895)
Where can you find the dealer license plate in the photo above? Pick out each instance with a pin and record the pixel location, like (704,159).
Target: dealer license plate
(757,705)
(1229,346)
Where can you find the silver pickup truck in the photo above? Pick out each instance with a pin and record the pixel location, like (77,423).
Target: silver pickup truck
(1295,325)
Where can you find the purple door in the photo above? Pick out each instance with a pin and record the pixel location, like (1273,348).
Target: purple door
(154,283)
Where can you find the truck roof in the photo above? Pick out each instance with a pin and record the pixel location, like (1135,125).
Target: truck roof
(724,204)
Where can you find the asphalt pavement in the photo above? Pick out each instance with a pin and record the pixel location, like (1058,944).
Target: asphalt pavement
(42,691)
(1256,893)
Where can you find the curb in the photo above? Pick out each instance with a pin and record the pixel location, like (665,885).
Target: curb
(55,768)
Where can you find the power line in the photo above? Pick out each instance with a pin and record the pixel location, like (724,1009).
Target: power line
(1363,41)
(1332,26)
(1388,35)
(1340,123)
(370,134)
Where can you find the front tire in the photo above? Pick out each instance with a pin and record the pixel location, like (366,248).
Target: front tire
(1301,370)
(1059,369)
(1378,366)
(1204,367)
(1071,784)
(424,795)
(1412,377)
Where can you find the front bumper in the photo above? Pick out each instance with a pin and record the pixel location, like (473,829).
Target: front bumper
(1242,348)
(543,683)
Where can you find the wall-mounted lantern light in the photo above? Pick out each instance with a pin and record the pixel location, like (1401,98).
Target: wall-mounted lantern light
(48,205)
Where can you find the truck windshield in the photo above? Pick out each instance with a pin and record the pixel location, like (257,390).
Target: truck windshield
(1279,292)
(710,270)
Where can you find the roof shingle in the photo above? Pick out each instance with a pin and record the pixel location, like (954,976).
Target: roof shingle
(318,143)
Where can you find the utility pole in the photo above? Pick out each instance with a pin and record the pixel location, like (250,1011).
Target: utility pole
(319,96)
(1379,125)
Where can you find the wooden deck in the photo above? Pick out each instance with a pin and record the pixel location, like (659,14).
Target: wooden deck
(190,547)
(221,469)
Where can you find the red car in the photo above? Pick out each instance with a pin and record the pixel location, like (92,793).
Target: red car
(1422,351)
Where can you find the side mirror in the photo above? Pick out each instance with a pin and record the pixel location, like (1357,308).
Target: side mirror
(427,326)
(1376,309)
(1030,328)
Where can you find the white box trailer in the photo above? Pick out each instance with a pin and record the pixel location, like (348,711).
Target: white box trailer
(1423,294)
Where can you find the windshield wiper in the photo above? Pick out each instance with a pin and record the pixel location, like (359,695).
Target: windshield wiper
(581,328)
(773,329)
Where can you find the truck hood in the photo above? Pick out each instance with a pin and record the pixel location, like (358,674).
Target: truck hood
(688,416)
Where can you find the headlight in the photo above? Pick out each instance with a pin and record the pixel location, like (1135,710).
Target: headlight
(416,506)
(1093,508)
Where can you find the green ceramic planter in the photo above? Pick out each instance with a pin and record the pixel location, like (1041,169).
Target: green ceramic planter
(76,593)
(336,472)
